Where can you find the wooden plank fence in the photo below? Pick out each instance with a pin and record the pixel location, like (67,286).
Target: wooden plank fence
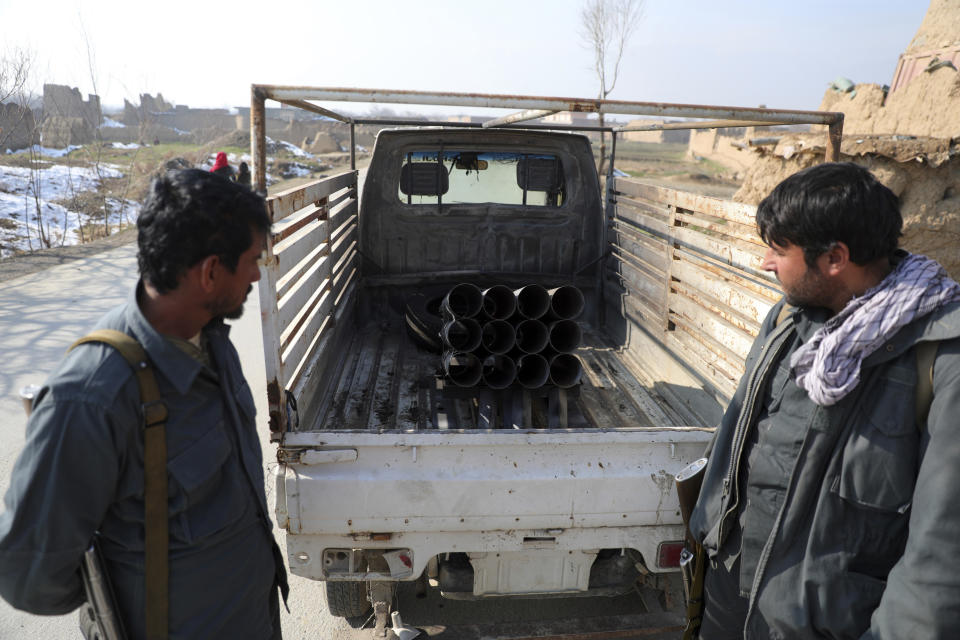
(691,266)
(308,275)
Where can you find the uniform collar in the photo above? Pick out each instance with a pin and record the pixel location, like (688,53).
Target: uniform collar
(177,367)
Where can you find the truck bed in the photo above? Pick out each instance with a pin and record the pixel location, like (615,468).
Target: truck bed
(385,382)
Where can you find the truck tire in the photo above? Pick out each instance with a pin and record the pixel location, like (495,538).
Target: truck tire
(347,599)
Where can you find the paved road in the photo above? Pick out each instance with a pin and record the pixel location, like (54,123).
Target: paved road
(42,313)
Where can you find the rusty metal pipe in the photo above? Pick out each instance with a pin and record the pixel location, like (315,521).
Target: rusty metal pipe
(499,371)
(546,103)
(566,302)
(463,369)
(532,336)
(461,334)
(499,302)
(565,370)
(498,336)
(532,370)
(532,301)
(462,301)
(565,336)
(258,140)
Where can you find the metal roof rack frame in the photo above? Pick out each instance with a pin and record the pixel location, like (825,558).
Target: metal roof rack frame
(529,108)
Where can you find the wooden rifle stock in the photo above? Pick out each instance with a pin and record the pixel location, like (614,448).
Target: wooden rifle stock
(692,560)
(689,481)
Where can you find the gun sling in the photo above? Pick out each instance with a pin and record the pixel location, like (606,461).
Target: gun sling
(156,533)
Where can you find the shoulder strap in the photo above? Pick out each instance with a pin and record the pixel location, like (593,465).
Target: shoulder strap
(156,533)
(926,355)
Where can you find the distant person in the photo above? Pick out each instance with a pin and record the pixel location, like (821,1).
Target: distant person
(81,473)
(243,175)
(221,167)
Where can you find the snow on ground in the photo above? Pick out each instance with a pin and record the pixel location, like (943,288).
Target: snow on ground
(292,148)
(120,145)
(46,151)
(19,227)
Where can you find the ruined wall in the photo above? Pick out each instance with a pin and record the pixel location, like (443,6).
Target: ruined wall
(17,127)
(62,131)
(62,101)
(923,172)
(929,105)
(680,136)
(186,119)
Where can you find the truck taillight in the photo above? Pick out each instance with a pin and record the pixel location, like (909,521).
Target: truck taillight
(668,554)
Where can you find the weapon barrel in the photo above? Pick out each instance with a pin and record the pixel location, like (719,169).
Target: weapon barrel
(565,336)
(499,371)
(498,336)
(499,302)
(463,369)
(461,334)
(532,336)
(565,370)
(463,301)
(532,370)
(566,302)
(532,301)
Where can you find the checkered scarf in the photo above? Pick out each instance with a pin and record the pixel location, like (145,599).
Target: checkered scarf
(827,366)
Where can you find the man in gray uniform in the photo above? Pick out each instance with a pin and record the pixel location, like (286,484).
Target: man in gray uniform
(827,508)
(82,469)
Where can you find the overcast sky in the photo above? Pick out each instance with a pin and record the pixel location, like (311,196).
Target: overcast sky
(206,53)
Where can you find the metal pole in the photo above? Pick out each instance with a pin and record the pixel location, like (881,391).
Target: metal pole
(258,140)
(834,137)
(353,147)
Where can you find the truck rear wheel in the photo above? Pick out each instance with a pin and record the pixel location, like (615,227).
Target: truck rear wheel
(347,599)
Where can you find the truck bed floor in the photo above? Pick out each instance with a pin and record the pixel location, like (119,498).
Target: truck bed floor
(385,382)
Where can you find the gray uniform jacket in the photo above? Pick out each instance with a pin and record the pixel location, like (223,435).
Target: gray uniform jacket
(866,542)
(81,471)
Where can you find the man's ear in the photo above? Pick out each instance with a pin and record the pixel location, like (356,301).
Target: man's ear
(208,273)
(836,259)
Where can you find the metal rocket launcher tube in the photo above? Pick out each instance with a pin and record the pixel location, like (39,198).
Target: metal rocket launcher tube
(565,336)
(532,301)
(461,334)
(463,369)
(498,336)
(532,370)
(532,336)
(499,302)
(566,303)
(499,371)
(465,300)
(565,370)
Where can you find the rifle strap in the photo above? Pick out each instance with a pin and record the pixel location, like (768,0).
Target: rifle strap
(156,533)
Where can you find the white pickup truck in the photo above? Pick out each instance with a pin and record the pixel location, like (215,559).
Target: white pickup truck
(388,472)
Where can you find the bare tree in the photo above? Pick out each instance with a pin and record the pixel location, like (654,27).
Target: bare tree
(15,66)
(607,26)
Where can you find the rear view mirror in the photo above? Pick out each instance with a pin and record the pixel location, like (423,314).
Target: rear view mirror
(470,162)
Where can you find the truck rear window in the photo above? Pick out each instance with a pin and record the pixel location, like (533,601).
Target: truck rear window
(472,177)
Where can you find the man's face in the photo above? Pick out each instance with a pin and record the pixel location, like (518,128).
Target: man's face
(803,286)
(234,287)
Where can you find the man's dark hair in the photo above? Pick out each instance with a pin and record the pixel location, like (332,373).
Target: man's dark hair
(828,203)
(189,215)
